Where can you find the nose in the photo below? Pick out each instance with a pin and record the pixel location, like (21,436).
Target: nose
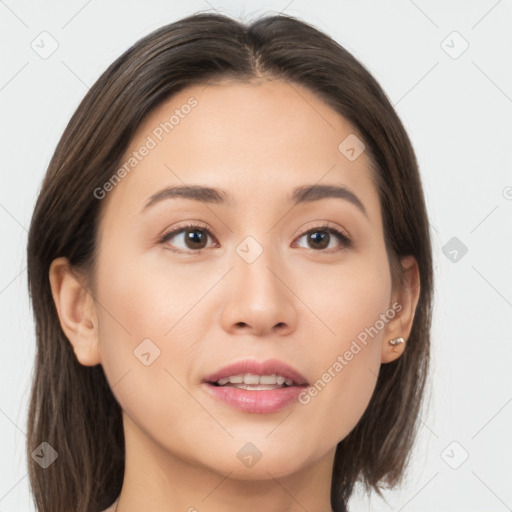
(261,300)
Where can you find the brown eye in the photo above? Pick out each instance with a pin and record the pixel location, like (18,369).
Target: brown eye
(320,238)
(194,238)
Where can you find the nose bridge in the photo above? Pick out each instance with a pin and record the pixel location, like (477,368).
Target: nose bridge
(258,251)
(260,300)
(256,264)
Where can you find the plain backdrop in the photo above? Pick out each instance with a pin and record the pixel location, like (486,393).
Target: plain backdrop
(446,66)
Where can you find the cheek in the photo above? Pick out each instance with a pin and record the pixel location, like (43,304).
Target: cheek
(347,298)
(347,355)
(145,297)
(139,312)
(146,338)
(148,305)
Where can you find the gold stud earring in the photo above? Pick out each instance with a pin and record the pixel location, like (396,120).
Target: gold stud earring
(396,341)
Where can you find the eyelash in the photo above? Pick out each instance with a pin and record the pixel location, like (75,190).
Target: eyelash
(345,240)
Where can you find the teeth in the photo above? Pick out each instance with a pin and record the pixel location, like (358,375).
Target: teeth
(258,387)
(249,379)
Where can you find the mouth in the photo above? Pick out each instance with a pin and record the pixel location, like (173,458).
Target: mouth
(250,372)
(254,382)
(257,387)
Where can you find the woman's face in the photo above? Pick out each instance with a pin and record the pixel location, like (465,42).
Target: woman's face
(257,278)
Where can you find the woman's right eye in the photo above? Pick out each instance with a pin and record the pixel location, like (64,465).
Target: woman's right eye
(193,240)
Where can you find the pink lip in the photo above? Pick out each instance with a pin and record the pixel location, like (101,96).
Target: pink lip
(268,367)
(259,402)
(265,401)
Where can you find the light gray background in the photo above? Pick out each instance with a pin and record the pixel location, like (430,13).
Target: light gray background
(458,112)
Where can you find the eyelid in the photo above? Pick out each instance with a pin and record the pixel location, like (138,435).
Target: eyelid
(309,226)
(183,225)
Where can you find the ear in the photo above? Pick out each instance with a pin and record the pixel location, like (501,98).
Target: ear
(77,311)
(404,302)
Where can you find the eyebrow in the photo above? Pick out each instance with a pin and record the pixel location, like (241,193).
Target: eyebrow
(304,194)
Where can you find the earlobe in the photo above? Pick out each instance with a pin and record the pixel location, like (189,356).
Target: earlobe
(76,309)
(399,328)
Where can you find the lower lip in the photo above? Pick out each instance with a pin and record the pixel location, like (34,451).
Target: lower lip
(253,401)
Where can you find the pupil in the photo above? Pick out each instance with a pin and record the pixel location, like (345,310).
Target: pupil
(194,237)
(322,240)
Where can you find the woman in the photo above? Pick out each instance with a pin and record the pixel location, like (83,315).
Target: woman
(230,268)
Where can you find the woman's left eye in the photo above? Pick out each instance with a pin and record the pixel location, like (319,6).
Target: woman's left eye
(195,238)
(320,238)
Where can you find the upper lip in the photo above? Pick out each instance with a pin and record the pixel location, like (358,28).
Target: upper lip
(268,367)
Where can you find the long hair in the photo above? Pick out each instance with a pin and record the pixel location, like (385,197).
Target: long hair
(71,406)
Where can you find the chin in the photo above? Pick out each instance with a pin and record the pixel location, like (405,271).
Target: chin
(248,464)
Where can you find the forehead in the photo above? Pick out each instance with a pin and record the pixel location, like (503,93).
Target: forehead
(257,138)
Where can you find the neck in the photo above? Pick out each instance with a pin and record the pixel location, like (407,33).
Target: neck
(159,481)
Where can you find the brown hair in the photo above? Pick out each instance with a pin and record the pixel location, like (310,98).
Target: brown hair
(72,406)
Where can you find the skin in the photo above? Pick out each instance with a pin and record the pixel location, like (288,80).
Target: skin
(297,303)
